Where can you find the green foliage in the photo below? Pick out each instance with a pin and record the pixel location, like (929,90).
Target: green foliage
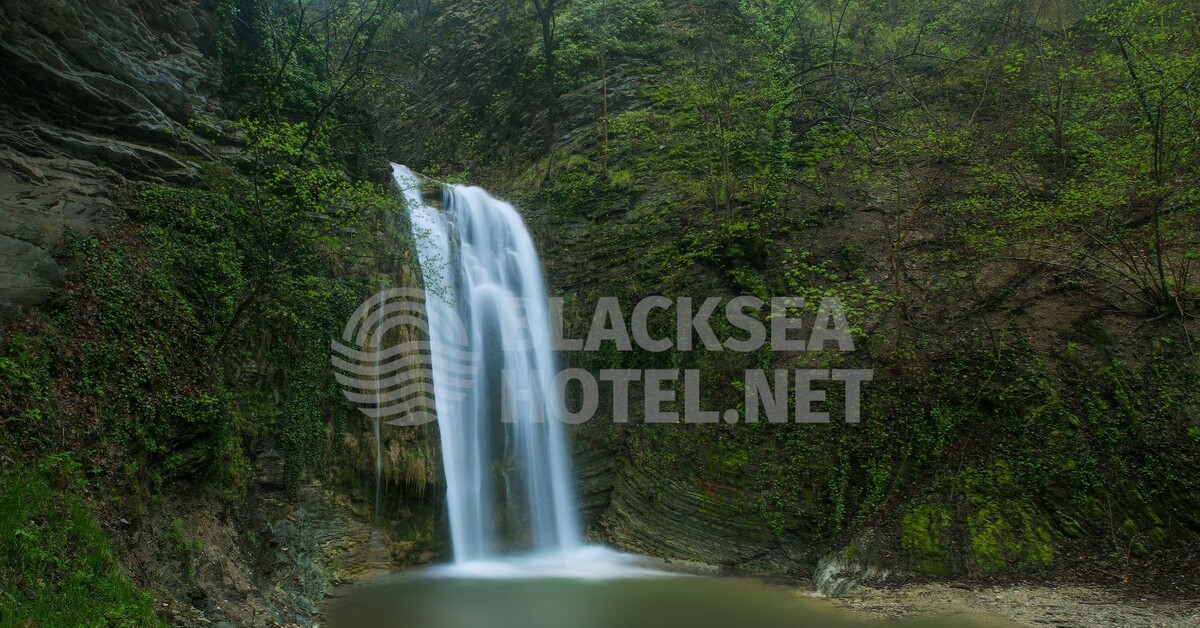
(598,35)
(1100,177)
(165,313)
(923,532)
(280,254)
(940,167)
(1007,530)
(57,568)
(186,550)
(25,374)
(198,327)
(952,172)
(122,359)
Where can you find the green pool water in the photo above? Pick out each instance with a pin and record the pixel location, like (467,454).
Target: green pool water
(424,601)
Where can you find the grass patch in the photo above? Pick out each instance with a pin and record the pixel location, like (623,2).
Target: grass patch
(56,566)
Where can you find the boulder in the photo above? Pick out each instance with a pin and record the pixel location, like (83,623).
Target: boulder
(860,561)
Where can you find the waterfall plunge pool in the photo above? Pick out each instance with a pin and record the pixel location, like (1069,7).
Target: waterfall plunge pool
(477,257)
(510,594)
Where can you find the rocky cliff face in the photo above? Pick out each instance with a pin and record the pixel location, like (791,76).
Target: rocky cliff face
(96,94)
(93,93)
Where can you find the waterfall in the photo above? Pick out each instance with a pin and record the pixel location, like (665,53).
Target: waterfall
(508,484)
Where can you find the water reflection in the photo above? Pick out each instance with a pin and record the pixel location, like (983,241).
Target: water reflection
(422,601)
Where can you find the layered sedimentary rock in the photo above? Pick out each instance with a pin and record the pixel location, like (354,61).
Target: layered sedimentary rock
(712,524)
(91,94)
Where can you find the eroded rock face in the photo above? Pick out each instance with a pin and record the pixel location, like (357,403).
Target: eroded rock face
(129,67)
(92,93)
(707,523)
(595,468)
(40,200)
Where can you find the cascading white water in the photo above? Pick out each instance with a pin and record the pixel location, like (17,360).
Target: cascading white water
(477,256)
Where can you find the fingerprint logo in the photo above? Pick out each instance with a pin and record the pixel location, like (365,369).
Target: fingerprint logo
(390,349)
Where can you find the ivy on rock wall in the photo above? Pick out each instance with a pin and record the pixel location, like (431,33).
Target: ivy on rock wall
(1003,195)
(185,329)
(193,331)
